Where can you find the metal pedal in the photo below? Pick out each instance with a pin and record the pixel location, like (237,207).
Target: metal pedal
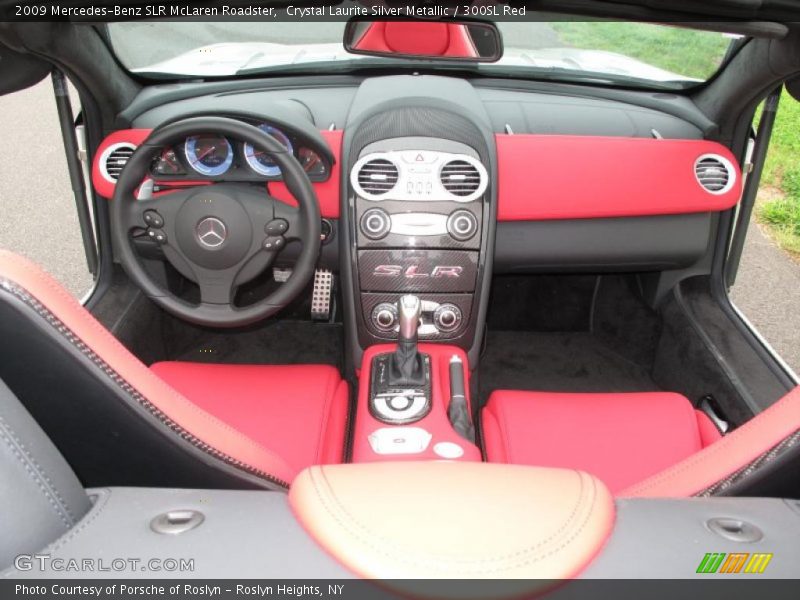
(321,296)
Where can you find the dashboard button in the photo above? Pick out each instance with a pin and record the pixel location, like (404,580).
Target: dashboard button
(400,402)
(274,242)
(276,227)
(449,450)
(153,219)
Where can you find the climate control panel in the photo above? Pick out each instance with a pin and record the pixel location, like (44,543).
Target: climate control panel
(461,225)
(444,316)
(419,220)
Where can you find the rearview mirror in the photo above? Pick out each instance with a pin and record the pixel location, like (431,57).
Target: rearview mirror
(447,40)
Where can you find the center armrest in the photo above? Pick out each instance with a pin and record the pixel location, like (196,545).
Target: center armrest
(431,519)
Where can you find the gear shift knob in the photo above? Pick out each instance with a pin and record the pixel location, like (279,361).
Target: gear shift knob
(409,309)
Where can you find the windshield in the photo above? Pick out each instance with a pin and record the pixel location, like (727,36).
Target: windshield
(613,52)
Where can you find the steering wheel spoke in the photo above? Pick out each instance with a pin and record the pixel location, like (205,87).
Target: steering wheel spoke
(217,288)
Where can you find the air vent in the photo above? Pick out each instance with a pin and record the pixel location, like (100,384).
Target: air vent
(377,176)
(114,160)
(714,173)
(460,178)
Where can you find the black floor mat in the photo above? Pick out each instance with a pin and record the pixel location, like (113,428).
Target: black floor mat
(277,343)
(561,362)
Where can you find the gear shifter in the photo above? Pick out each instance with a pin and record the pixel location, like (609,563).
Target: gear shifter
(406,367)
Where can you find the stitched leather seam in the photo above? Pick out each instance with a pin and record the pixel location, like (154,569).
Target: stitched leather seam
(705,455)
(87,351)
(505,439)
(39,469)
(100,505)
(518,558)
(330,390)
(36,477)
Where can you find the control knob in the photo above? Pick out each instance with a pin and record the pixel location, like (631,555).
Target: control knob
(462,225)
(375,223)
(447,318)
(384,316)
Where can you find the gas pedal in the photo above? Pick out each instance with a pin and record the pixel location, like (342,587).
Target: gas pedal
(321,296)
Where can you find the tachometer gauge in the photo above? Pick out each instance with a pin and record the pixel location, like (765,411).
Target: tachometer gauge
(209,155)
(167,163)
(259,161)
(311,162)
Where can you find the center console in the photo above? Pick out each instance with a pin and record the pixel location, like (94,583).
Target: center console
(418,184)
(419,211)
(413,398)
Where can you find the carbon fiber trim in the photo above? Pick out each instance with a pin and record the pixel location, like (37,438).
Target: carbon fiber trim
(426,270)
(771,455)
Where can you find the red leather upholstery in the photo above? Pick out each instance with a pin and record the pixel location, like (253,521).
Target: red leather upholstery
(736,450)
(421,38)
(299,411)
(619,438)
(283,385)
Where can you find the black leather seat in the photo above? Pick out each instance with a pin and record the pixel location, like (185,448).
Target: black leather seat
(40,496)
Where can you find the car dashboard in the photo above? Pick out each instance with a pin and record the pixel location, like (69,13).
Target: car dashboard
(433,184)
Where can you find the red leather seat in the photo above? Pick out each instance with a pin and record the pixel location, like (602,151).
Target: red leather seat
(298,411)
(269,422)
(620,438)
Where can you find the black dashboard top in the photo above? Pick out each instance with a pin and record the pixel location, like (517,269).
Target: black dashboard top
(516,107)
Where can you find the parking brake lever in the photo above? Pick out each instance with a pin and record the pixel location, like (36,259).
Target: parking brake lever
(457,412)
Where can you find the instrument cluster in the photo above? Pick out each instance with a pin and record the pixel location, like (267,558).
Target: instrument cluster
(219,158)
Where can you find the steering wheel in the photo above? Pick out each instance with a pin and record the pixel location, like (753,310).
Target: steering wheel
(219,236)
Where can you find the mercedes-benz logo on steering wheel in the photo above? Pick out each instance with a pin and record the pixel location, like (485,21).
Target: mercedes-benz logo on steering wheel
(211,232)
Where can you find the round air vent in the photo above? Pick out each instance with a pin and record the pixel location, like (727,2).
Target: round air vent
(114,159)
(715,173)
(460,178)
(377,177)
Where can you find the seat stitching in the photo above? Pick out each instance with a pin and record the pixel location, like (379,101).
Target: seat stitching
(334,507)
(506,439)
(35,475)
(331,391)
(703,455)
(77,341)
(103,332)
(82,526)
(12,433)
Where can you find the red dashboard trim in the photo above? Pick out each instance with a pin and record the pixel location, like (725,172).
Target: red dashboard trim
(131,136)
(542,177)
(327,191)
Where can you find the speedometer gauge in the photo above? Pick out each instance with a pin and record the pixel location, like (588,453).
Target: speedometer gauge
(259,161)
(209,155)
